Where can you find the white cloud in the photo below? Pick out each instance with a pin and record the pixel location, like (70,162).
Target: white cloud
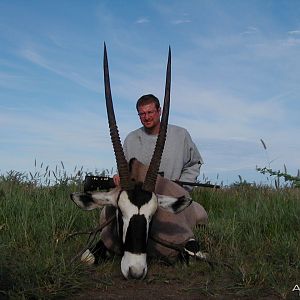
(142,20)
(181,21)
(291,42)
(294,32)
(55,134)
(60,68)
(11,80)
(250,30)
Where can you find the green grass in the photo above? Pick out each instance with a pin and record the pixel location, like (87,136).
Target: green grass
(255,230)
(35,222)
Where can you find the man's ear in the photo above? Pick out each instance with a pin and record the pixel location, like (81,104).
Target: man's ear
(159,111)
(89,201)
(174,205)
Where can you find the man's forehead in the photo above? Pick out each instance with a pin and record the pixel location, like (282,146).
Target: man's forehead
(147,107)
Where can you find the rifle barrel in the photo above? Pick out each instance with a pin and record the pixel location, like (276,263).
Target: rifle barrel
(197,184)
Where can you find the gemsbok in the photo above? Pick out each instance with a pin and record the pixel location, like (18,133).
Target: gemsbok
(139,196)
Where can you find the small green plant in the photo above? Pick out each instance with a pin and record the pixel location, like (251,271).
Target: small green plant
(289,180)
(293,181)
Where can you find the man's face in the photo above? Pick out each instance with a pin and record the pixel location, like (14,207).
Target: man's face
(149,115)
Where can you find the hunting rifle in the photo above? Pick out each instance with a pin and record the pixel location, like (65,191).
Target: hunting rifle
(94,183)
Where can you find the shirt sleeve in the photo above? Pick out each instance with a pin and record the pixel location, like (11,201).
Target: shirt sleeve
(192,161)
(125,148)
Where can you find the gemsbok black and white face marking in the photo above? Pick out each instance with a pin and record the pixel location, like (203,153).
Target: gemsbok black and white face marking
(137,208)
(136,203)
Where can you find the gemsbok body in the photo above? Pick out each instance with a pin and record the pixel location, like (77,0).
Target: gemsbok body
(136,199)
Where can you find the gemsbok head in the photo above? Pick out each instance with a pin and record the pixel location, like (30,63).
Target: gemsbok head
(135,202)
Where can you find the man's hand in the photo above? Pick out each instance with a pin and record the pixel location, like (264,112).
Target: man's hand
(116,179)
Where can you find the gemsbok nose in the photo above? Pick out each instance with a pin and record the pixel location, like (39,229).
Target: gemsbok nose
(135,273)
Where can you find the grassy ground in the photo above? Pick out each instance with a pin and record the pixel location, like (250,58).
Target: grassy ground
(252,236)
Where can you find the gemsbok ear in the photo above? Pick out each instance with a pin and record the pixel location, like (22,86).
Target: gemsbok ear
(174,205)
(89,201)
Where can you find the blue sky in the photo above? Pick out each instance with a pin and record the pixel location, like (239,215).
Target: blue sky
(235,80)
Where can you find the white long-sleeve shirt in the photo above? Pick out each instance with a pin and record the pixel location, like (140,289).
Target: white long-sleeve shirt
(181,159)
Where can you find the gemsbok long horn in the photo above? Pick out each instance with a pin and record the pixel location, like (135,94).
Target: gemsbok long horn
(122,164)
(151,176)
